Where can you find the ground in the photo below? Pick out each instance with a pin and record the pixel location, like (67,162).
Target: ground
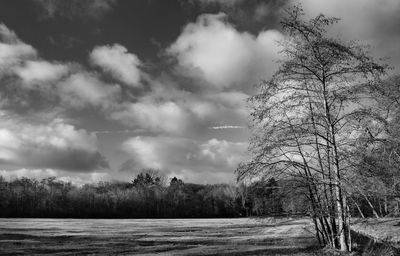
(384,229)
(272,236)
(157,237)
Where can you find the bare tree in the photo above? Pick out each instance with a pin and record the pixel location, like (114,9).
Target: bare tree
(380,149)
(306,120)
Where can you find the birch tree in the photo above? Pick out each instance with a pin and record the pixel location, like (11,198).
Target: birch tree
(306,120)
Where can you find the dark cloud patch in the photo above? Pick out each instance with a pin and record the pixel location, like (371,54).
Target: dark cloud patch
(130,166)
(65,41)
(71,9)
(68,160)
(54,158)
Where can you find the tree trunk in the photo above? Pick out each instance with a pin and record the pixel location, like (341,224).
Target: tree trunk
(348,233)
(371,206)
(341,220)
(386,205)
(359,209)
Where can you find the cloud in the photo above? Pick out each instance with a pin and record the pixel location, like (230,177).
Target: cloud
(93,9)
(226,127)
(252,16)
(30,81)
(39,174)
(117,131)
(55,145)
(154,116)
(170,111)
(41,71)
(82,89)
(223,55)
(117,61)
(8,36)
(372,16)
(12,49)
(185,157)
(162,110)
(373,22)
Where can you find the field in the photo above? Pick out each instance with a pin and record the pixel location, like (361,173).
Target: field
(156,237)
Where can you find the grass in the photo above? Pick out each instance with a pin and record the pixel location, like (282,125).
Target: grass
(157,237)
(272,236)
(385,229)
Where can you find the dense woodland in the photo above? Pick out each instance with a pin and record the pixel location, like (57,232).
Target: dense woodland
(146,196)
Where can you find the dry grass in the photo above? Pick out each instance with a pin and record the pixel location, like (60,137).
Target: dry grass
(157,237)
(385,229)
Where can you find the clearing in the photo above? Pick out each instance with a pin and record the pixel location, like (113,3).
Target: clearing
(157,236)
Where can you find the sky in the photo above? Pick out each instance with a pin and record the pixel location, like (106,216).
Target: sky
(95,90)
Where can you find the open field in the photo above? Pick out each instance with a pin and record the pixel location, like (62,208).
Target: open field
(156,237)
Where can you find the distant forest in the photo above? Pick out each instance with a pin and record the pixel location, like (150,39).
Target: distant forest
(149,195)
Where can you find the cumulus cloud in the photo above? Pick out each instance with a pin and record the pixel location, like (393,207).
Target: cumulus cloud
(117,61)
(185,157)
(8,36)
(93,9)
(82,89)
(169,111)
(22,59)
(41,71)
(12,49)
(30,76)
(223,55)
(154,116)
(56,145)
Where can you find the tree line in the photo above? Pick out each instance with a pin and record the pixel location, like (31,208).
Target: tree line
(148,195)
(329,120)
